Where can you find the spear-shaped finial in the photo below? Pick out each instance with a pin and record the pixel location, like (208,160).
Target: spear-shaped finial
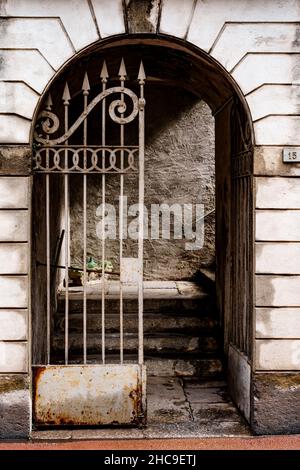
(49,102)
(122,70)
(86,84)
(66,95)
(104,73)
(141,75)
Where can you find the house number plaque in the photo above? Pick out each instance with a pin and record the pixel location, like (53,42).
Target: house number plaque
(291,155)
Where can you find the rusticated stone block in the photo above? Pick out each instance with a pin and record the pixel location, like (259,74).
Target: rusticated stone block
(15,160)
(276,403)
(15,406)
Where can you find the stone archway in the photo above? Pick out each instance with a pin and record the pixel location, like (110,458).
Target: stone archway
(171,63)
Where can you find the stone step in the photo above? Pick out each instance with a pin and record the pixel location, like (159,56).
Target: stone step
(161,297)
(157,344)
(151,290)
(179,322)
(153,323)
(187,366)
(176,306)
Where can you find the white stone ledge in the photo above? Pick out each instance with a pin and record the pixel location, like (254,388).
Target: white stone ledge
(175,17)
(277,225)
(45,34)
(277,354)
(210,16)
(277,258)
(236,40)
(277,192)
(28,66)
(259,69)
(110,17)
(17,98)
(14,258)
(14,291)
(13,325)
(277,291)
(13,357)
(277,130)
(14,225)
(277,322)
(274,99)
(14,192)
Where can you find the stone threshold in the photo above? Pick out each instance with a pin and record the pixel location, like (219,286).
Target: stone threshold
(152,290)
(177,408)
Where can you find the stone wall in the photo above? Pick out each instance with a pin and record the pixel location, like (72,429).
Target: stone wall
(179,168)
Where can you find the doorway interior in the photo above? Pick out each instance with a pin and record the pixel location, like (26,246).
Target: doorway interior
(195,301)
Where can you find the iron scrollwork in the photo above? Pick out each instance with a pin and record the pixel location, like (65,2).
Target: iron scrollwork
(57,155)
(118,105)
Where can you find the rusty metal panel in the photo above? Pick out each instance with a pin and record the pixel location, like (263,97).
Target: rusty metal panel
(89,395)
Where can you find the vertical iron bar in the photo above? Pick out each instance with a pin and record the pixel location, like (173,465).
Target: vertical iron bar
(84,268)
(85,100)
(242,261)
(246,300)
(121,233)
(246,269)
(67,269)
(237,305)
(233,253)
(141,221)
(235,261)
(103,226)
(48,249)
(67,237)
(240,251)
(48,258)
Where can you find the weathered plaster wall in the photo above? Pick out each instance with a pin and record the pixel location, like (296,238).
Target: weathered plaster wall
(179,169)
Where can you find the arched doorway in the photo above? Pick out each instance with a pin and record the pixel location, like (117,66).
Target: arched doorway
(168,65)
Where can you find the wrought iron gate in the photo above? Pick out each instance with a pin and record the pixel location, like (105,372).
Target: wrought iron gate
(241,232)
(69,393)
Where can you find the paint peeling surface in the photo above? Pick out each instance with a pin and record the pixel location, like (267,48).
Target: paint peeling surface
(89,395)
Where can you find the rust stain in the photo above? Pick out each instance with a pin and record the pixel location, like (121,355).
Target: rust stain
(37,374)
(138,416)
(87,396)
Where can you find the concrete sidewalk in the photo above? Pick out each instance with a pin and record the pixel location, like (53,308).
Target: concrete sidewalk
(229,443)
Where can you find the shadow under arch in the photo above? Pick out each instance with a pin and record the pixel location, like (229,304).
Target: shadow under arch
(167,61)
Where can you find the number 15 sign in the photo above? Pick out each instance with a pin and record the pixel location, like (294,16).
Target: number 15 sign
(291,155)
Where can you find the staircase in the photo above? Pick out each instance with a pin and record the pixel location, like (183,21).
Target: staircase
(181,330)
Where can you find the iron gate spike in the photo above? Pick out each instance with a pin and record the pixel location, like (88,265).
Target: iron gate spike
(49,102)
(66,94)
(122,70)
(86,84)
(141,75)
(104,72)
